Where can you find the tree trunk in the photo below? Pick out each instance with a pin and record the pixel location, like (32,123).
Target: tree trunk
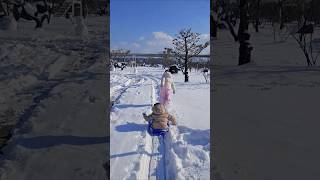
(214,28)
(257,18)
(186,76)
(256,25)
(281,15)
(243,34)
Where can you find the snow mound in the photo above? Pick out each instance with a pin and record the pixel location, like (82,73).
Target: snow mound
(189,157)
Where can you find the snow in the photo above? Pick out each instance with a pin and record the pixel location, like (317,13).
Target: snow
(265,113)
(46,72)
(134,153)
(8,23)
(81,29)
(30,9)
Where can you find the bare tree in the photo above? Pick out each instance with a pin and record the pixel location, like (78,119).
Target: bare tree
(304,36)
(187,45)
(3,10)
(305,42)
(257,7)
(227,12)
(119,54)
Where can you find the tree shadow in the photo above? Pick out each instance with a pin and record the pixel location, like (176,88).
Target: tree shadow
(131,127)
(39,142)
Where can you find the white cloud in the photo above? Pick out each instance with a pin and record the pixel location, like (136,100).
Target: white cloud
(155,43)
(151,43)
(136,45)
(204,37)
(141,38)
(162,37)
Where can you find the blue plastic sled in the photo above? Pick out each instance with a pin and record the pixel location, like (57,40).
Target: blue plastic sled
(156,132)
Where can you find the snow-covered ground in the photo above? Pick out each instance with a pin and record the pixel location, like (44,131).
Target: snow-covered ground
(266,114)
(134,154)
(45,72)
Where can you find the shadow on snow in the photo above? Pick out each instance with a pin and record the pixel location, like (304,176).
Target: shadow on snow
(131,127)
(133,153)
(39,142)
(122,106)
(195,136)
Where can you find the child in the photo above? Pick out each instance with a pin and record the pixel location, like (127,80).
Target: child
(166,88)
(159,118)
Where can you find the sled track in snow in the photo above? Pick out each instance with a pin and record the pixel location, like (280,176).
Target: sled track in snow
(151,164)
(120,90)
(152,167)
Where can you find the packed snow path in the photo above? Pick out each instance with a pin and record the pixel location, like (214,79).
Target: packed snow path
(137,155)
(140,92)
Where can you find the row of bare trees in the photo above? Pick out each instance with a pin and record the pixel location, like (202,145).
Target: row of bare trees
(119,54)
(240,13)
(40,10)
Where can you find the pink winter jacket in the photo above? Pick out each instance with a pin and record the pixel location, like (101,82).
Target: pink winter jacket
(167,81)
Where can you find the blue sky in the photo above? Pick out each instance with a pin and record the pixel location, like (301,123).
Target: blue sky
(147,26)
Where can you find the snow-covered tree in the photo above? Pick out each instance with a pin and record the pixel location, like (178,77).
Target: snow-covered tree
(187,45)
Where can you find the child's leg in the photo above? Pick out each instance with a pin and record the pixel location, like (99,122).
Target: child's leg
(168,96)
(162,95)
(163,99)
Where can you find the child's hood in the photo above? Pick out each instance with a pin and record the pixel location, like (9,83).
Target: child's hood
(158,109)
(167,75)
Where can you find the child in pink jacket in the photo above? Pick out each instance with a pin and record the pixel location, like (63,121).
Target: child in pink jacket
(166,88)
